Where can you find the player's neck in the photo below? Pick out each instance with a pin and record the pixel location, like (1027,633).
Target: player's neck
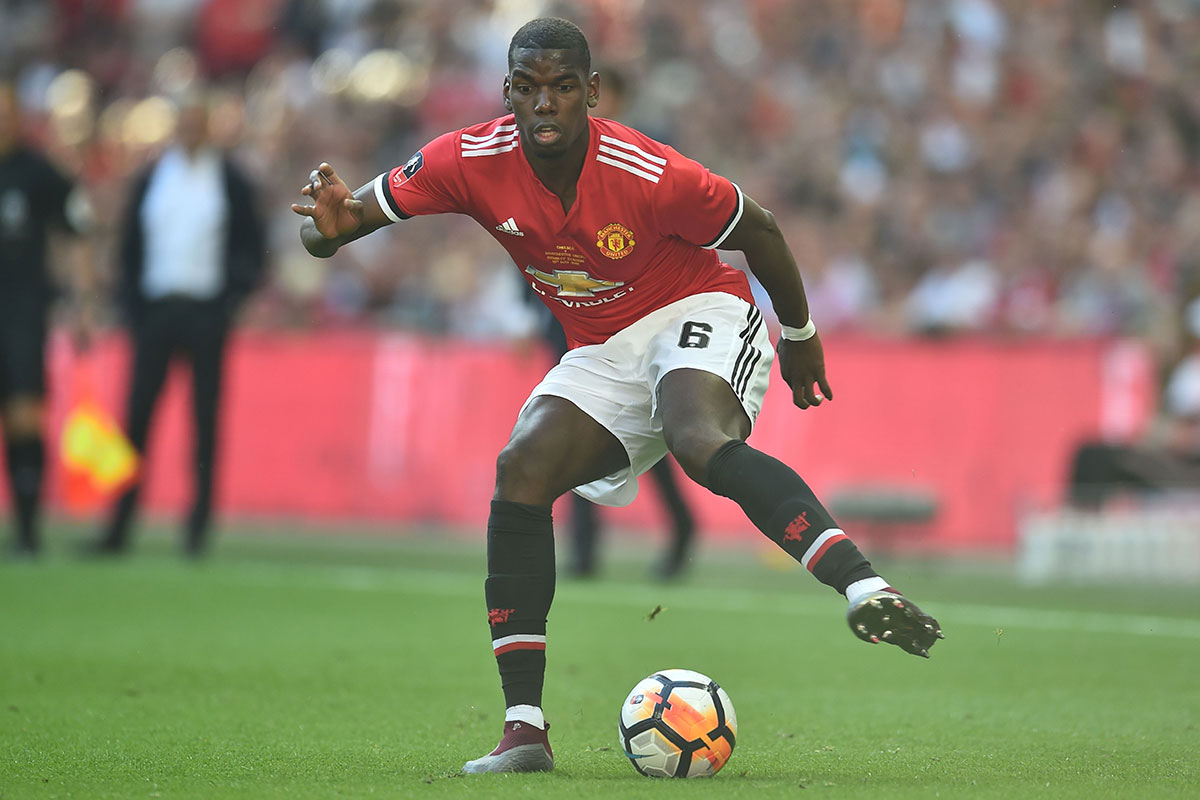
(561,175)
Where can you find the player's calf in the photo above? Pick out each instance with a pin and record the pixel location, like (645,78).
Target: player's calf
(784,508)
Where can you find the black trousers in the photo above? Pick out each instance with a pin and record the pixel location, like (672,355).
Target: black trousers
(23,315)
(195,331)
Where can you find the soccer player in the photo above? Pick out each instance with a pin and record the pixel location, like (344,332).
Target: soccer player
(35,200)
(617,235)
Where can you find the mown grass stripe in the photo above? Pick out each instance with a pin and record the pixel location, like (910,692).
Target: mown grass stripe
(449,583)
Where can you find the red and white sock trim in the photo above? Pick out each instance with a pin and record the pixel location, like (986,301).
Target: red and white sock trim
(820,546)
(518,641)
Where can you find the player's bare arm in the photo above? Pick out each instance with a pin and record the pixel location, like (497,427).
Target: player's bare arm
(802,363)
(337,216)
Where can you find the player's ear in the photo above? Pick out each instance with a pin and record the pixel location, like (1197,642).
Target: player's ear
(593,90)
(505,90)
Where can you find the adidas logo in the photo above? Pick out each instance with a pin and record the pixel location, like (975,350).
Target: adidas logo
(509,226)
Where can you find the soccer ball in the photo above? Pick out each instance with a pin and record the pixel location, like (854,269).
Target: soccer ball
(678,724)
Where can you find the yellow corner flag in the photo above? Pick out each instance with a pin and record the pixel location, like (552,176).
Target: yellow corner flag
(97,459)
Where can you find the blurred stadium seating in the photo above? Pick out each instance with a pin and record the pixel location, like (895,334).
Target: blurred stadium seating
(1006,165)
(1007,169)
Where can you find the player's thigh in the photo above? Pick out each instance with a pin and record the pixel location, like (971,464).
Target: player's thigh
(700,412)
(554,447)
(711,366)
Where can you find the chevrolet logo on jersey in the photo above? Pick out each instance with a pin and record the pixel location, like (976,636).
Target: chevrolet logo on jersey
(573,283)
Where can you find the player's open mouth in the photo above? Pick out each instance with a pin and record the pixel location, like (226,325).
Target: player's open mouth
(547,135)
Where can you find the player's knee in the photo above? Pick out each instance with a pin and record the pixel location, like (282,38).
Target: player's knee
(521,476)
(693,448)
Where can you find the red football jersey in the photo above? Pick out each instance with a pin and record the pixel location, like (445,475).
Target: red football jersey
(641,234)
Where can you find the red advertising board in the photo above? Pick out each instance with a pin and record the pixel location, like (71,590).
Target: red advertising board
(400,427)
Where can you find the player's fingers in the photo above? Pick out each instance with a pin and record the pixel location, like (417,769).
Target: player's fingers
(805,397)
(353,205)
(304,211)
(813,397)
(798,397)
(823,382)
(327,173)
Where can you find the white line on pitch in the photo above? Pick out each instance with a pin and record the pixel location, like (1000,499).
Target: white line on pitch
(731,600)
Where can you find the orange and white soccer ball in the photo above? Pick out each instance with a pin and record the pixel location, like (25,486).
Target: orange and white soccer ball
(678,724)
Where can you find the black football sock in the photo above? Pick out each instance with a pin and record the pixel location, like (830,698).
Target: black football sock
(781,505)
(519,590)
(26,462)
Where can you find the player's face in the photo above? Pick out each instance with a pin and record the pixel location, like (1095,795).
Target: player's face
(549,93)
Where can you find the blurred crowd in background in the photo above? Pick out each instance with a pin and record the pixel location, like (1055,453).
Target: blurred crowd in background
(1016,167)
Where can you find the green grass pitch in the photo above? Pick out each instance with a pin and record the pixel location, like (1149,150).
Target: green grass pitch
(301,666)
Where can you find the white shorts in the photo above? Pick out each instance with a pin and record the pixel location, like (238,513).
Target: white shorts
(616,382)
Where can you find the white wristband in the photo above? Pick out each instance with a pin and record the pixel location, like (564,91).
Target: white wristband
(799,334)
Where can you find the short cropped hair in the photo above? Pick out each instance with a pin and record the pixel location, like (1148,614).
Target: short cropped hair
(551,33)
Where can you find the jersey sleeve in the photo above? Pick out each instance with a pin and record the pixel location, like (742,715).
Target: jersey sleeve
(428,183)
(698,206)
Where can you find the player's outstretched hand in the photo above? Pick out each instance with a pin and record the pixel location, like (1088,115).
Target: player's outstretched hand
(802,365)
(335,212)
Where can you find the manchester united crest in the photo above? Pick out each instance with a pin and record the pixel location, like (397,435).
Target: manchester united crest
(615,240)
